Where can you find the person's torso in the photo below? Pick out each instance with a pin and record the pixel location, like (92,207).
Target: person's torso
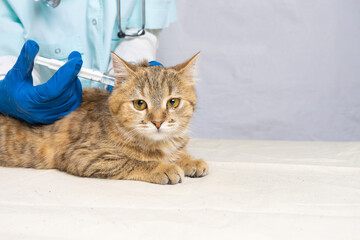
(89,27)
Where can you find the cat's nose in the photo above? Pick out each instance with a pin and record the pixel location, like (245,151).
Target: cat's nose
(157,123)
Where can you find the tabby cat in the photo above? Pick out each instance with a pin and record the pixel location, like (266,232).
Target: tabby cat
(137,132)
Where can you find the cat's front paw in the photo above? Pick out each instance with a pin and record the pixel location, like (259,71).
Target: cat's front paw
(195,168)
(167,174)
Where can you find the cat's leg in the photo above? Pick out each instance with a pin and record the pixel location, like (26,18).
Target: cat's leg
(193,167)
(100,164)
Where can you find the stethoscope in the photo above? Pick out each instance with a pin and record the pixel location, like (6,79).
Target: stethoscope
(121,34)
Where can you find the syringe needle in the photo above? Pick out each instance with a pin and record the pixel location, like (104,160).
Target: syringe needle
(84,72)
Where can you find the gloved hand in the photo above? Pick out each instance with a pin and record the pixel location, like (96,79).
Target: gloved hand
(42,104)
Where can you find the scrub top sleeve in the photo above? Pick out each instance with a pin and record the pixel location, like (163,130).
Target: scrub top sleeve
(11,40)
(11,31)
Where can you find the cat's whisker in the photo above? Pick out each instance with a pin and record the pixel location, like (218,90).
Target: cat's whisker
(112,135)
(129,137)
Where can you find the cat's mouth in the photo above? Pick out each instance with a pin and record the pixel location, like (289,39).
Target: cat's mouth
(158,136)
(155,133)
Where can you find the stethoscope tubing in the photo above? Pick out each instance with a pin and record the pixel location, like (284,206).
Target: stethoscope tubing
(121,34)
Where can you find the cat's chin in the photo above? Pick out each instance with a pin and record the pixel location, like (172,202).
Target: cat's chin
(162,135)
(158,136)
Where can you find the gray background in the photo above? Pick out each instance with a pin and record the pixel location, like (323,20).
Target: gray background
(271,69)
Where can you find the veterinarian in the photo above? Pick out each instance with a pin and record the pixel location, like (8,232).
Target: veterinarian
(81,32)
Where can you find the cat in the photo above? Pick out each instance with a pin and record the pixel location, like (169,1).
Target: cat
(136,132)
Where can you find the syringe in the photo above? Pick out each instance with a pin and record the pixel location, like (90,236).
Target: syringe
(84,72)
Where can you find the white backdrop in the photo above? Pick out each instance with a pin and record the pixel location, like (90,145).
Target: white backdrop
(271,69)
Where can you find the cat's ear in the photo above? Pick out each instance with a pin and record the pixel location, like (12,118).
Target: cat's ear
(188,68)
(122,69)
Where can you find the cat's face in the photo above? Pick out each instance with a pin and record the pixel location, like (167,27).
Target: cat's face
(155,102)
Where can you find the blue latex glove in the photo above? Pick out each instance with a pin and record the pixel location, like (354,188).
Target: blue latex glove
(42,104)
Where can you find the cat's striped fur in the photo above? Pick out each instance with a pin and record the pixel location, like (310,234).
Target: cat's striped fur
(106,137)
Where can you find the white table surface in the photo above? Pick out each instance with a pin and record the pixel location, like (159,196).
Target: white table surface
(255,190)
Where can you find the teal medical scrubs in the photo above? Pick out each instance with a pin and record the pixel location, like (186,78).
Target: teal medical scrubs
(87,26)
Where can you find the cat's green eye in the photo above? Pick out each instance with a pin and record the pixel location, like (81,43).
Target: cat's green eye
(140,104)
(173,103)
